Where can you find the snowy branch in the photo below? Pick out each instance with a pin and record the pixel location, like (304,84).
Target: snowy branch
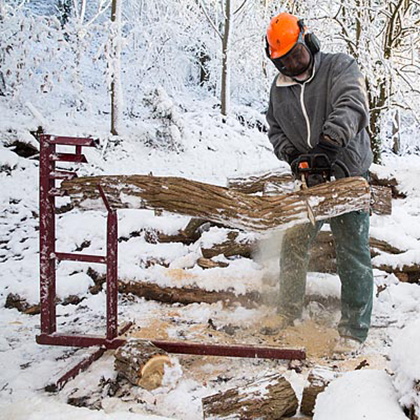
(240,7)
(210,20)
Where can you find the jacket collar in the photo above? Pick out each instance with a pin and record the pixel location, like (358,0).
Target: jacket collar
(285,81)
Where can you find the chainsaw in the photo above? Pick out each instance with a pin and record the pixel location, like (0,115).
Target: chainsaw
(315,169)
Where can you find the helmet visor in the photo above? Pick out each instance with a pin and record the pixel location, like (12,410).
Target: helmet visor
(295,62)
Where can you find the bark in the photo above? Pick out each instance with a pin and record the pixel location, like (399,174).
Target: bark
(271,183)
(318,381)
(230,248)
(187,295)
(258,183)
(141,363)
(269,398)
(406,273)
(225,60)
(391,183)
(381,200)
(219,204)
(323,256)
(208,263)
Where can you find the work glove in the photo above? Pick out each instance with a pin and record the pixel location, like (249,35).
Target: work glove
(291,155)
(328,147)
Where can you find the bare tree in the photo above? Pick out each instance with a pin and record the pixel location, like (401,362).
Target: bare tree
(380,35)
(115,64)
(225,34)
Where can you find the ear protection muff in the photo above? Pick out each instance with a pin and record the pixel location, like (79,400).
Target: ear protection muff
(311,40)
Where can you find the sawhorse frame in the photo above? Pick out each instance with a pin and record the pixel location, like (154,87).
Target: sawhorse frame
(49,257)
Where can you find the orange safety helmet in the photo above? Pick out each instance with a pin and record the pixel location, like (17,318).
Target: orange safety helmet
(282,34)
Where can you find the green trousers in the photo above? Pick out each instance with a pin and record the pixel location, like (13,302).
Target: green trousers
(351,236)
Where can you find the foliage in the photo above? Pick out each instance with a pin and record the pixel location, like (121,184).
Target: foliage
(66,60)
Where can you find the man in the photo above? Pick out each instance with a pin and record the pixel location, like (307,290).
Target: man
(318,105)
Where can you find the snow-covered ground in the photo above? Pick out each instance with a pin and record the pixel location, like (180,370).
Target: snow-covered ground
(209,150)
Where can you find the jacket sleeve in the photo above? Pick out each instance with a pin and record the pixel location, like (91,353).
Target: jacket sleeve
(281,144)
(350,113)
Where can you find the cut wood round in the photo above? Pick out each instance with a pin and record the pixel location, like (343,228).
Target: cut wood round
(141,363)
(219,204)
(268,398)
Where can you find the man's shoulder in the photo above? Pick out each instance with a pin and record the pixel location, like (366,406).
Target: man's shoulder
(336,58)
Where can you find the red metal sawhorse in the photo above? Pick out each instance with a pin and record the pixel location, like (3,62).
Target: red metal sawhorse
(49,257)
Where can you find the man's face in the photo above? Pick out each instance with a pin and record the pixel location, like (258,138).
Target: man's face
(296,62)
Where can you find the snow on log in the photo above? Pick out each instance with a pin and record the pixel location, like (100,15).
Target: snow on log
(219,204)
(267,398)
(186,295)
(141,363)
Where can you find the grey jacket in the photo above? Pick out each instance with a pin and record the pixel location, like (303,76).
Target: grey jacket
(332,102)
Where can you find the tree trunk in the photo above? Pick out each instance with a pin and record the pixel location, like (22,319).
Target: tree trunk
(141,363)
(115,64)
(225,60)
(219,204)
(268,398)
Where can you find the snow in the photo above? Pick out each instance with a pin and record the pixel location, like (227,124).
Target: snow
(44,408)
(405,362)
(367,395)
(169,126)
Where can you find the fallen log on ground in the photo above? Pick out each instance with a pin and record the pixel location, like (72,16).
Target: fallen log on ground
(390,183)
(187,294)
(142,363)
(219,204)
(230,247)
(268,398)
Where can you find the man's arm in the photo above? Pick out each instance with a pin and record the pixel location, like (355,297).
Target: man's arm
(349,100)
(283,148)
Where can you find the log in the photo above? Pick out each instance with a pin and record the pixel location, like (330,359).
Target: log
(141,363)
(187,295)
(219,204)
(262,182)
(323,255)
(406,273)
(208,263)
(276,182)
(230,247)
(268,398)
(381,200)
(388,183)
(318,380)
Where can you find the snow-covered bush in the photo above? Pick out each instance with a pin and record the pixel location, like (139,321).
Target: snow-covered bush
(168,135)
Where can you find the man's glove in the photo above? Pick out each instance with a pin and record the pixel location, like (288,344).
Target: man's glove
(291,155)
(328,147)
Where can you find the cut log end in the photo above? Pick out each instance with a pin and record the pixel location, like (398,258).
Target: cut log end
(142,363)
(151,374)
